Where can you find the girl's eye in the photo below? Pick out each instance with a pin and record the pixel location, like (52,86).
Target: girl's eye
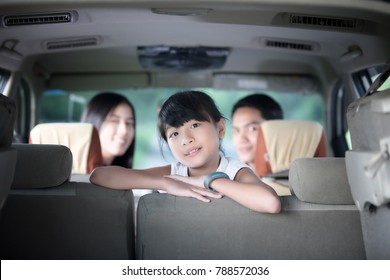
(195,125)
(253,128)
(172,135)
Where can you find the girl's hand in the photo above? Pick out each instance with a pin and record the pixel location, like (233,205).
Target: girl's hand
(179,187)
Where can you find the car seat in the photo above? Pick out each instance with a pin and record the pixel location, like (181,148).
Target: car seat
(7,154)
(48,217)
(81,138)
(368,165)
(318,221)
(280,142)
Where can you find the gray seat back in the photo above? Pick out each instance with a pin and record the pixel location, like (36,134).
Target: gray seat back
(7,154)
(49,217)
(309,226)
(368,165)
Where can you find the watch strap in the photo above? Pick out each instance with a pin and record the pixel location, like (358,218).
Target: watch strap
(213,176)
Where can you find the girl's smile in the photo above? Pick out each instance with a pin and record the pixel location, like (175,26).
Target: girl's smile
(193,152)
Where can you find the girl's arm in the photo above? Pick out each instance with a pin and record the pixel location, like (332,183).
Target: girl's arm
(247,189)
(116,177)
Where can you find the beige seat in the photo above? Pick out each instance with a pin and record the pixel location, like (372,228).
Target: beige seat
(280,142)
(81,138)
(7,154)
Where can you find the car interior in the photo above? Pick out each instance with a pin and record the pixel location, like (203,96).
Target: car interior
(327,63)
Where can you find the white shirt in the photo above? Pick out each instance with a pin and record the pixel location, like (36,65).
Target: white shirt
(228,165)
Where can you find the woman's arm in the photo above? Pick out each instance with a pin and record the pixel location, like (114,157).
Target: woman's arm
(116,177)
(247,189)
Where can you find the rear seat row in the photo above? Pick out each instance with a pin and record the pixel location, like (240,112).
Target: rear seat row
(319,221)
(48,217)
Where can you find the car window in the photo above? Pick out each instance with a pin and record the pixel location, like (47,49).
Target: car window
(362,81)
(22,103)
(63,106)
(364,78)
(4,75)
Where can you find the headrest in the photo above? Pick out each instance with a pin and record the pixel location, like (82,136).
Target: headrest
(81,138)
(371,124)
(280,142)
(368,163)
(320,180)
(41,166)
(7,120)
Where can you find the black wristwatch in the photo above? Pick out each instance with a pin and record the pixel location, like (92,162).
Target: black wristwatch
(211,177)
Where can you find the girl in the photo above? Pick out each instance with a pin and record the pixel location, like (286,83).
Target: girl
(113,116)
(193,127)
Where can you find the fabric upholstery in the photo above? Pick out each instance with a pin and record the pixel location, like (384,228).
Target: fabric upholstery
(170,227)
(73,221)
(376,229)
(41,166)
(368,165)
(7,154)
(7,120)
(280,142)
(7,169)
(320,180)
(368,121)
(48,217)
(82,139)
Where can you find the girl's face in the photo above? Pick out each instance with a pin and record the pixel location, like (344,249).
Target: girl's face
(117,132)
(196,145)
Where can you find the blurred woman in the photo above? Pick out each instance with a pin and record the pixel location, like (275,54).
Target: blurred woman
(113,116)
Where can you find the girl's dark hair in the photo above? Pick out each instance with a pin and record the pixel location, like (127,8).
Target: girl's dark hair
(184,106)
(267,106)
(96,112)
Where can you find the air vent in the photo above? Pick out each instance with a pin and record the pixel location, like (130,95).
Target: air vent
(37,19)
(72,43)
(326,22)
(291,45)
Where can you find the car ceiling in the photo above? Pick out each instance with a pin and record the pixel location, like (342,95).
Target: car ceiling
(119,27)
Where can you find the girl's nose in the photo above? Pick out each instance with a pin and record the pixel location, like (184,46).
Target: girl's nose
(187,138)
